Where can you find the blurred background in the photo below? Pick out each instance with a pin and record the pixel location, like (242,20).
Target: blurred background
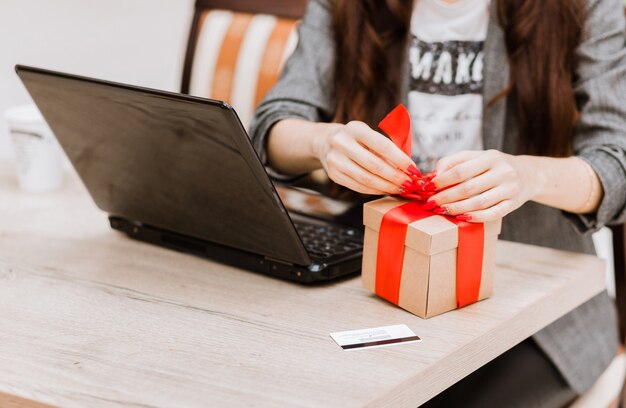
(140,42)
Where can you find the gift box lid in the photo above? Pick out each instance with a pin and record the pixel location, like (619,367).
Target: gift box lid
(430,235)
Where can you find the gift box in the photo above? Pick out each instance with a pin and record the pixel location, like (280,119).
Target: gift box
(425,263)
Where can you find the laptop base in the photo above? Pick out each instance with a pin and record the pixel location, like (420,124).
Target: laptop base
(316,272)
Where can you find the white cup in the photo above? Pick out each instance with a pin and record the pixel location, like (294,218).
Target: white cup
(39,156)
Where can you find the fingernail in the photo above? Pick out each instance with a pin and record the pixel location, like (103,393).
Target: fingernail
(407,185)
(430,176)
(414,171)
(429,205)
(440,210)
(464,217)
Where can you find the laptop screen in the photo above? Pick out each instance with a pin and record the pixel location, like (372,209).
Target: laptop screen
(179,163)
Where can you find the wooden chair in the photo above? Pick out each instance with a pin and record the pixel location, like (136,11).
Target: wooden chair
(235,52)
(236,49)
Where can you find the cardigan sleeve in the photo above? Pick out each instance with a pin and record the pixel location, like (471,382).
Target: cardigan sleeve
(600,91)
(304,88)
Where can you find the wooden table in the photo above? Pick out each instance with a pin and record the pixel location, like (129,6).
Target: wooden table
(91,318)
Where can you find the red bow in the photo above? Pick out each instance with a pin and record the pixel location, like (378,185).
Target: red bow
(397,125)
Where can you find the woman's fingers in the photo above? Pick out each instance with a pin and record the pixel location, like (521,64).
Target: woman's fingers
(364,160)
(467,189)
(347,181)
(478,202)
(452,160)
(344,165)
(461,172)
(479,186)
(380,145)
(492,213)
(374,164)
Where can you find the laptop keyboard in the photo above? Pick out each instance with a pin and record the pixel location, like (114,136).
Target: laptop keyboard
(329,240)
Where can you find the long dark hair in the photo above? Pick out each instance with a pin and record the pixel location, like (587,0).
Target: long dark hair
(540,37)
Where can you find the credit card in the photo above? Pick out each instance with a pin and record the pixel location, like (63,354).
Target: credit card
(375,337)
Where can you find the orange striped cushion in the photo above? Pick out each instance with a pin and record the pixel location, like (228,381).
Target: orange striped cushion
(239,57)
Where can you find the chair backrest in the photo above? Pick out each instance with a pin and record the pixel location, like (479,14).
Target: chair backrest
(237,48)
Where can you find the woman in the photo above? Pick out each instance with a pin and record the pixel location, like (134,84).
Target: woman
(516,104)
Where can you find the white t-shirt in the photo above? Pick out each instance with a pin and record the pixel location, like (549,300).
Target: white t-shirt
(446,69)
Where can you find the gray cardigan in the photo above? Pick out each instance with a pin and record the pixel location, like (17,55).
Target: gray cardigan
(583,342)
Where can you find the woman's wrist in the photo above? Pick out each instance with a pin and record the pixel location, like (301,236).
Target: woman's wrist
(568,184)
(595,191)
(534,173)
(319,140)
(294,146)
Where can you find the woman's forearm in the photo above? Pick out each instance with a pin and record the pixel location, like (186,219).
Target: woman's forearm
(568,184)
(292,145)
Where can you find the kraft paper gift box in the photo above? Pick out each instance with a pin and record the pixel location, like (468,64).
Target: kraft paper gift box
(428,277)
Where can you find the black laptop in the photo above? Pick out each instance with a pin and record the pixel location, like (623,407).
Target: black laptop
(180,172)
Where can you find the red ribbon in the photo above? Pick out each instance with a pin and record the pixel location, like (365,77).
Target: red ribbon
(393,228)
(390,255)
(397,125)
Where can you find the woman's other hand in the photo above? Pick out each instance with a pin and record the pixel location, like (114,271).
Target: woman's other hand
(363,160)
(482,186)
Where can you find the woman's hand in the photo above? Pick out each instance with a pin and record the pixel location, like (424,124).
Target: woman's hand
(482,186)
(362,159)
